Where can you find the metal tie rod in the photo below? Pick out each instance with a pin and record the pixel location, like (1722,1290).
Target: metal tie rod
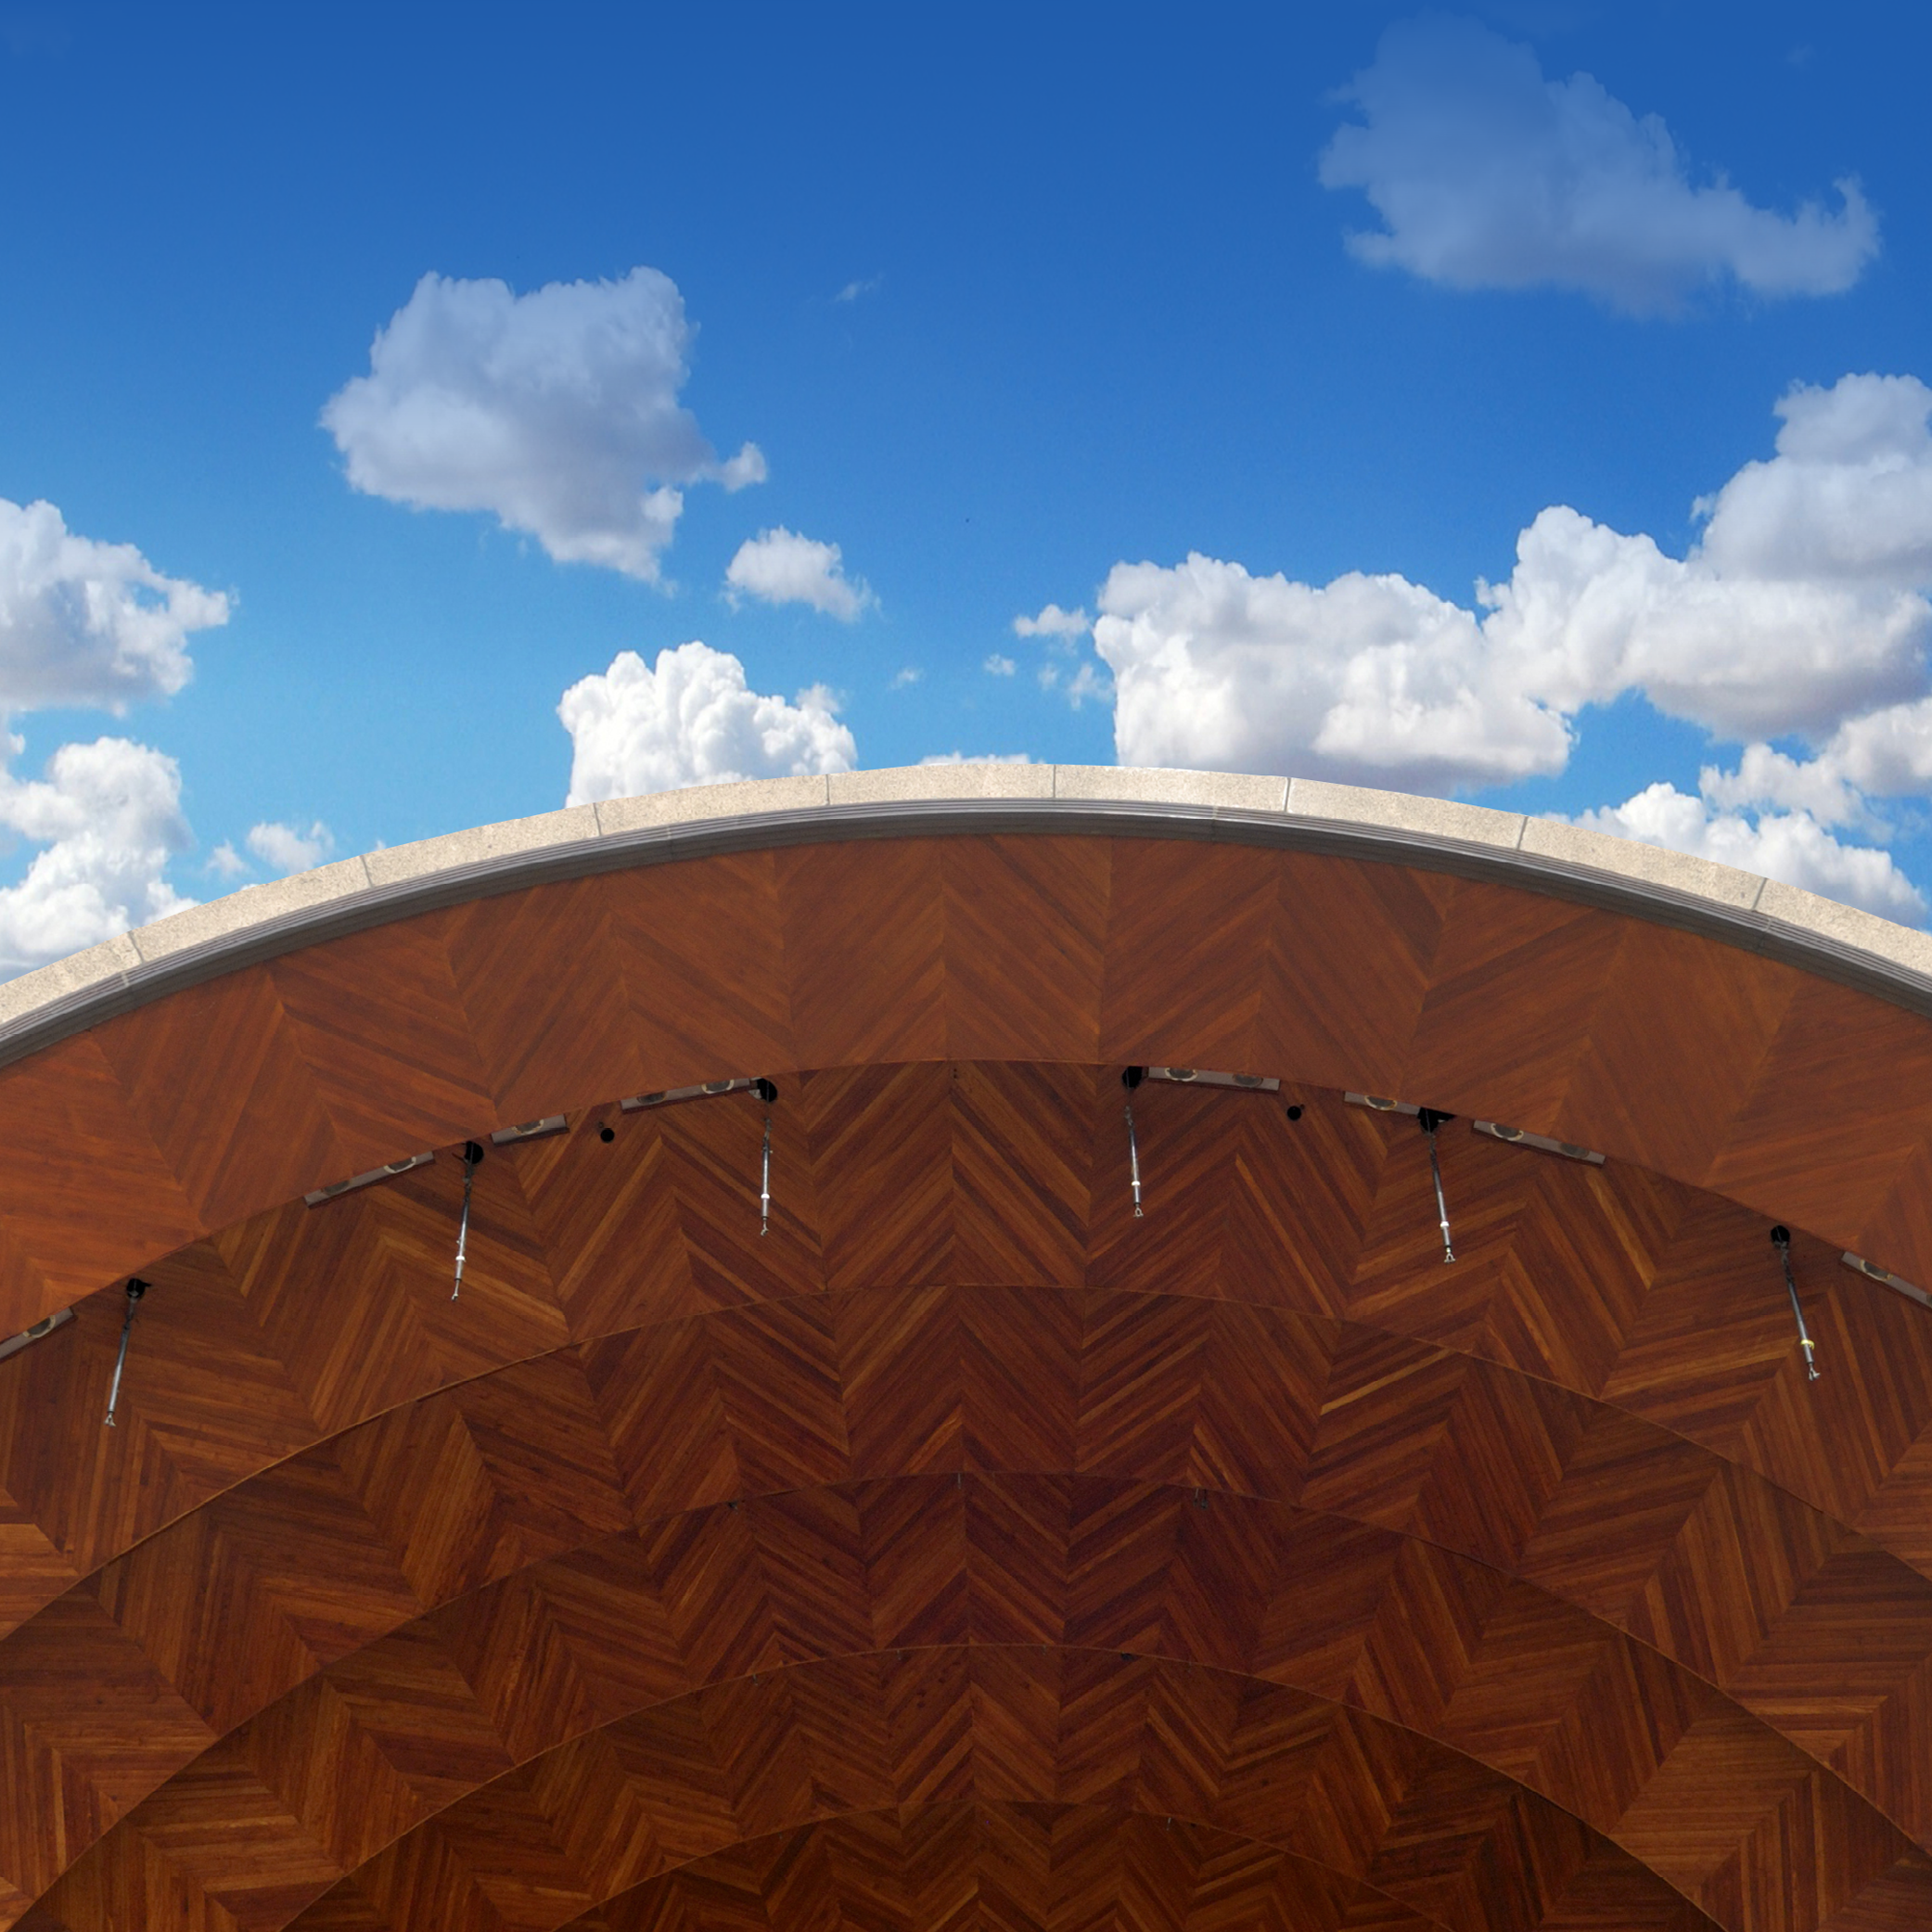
(1130,1079)
(472,1154)
(136,1289)
(1781,1240)
(1430,1119)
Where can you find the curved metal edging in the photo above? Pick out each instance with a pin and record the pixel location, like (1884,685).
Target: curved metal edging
(1744,928)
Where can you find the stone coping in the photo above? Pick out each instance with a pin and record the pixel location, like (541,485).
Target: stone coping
(263,920)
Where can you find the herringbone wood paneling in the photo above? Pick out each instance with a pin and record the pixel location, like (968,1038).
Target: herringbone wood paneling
(966,1549)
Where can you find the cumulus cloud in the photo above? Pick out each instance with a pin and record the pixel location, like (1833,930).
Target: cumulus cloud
(108,817)
(556,411)
(1052,623)
(999,665)
(693,720)
(291,847)
(83,623)
(1487,176)
(781,566)
(1801,611)
(1793,846)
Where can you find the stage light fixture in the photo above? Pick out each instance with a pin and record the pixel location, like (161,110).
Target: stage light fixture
(1871,1269)
(1376,1103)
(1781,1240)
(337,1189)
(136,1287)
(472,1154)
(44,1327)
(705,1090)
(1200,1077)
(530,1131)
(1521,1137)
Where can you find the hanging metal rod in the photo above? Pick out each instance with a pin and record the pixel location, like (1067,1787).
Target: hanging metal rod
(1430,1119)
(472,1154)
(1781,1240)
(1130,1079)
(136,1289)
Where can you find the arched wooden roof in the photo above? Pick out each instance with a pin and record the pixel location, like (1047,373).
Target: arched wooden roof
(966,1550)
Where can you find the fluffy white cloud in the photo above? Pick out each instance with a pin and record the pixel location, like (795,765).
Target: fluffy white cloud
(978,758)
(289,848)
(1487,176)
(1369,679)
(692,720)
(999,665)
(108,817)
(781,566)
(556,411)
(1801,611)
(1793,846)
(1054,622)
(83,623)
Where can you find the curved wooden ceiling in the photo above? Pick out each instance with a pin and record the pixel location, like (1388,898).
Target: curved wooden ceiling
(967,1550)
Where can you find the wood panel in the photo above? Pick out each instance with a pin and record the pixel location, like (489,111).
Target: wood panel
(966,1547)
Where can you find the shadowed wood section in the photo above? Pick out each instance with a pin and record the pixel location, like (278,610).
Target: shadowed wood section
(964,1548)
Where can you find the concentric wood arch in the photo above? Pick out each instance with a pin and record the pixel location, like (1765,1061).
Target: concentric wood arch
(966,1551)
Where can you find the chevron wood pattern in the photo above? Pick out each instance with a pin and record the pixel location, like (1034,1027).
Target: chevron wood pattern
(966,1551)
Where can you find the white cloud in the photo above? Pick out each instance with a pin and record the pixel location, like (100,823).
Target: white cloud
(871,285)
(978,758)
(556,411)
(998,665)
(1793,846)
(89,623)
(108,817)
(290,848)
(226,863)
(1487,176)
(904,680)
(1052,623)
(1801,612)
(781,566)
(692,720)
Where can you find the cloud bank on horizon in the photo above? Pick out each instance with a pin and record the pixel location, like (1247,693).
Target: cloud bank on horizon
(1487,176)
(1801,613)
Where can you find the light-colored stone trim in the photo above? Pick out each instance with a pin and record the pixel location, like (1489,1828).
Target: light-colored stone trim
(1403,812)
(1540,853)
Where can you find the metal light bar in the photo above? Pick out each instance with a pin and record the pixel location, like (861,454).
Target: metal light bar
(1781,1240)
(1430,1119)
(45,1325)
(1869,1269)
(1200,1077)
(136,1289)
(669,1097)
(529,1130)
(1380,1105)
(336,1189)
(472,1154)
(1520,1137)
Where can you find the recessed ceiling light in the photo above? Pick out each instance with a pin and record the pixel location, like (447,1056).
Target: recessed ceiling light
(529,1130)
(669,1097)
(1378,1105)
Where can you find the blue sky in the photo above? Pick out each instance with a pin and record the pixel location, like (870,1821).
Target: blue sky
(1017,308)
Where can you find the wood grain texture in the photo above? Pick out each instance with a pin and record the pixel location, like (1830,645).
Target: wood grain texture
(964,1549)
